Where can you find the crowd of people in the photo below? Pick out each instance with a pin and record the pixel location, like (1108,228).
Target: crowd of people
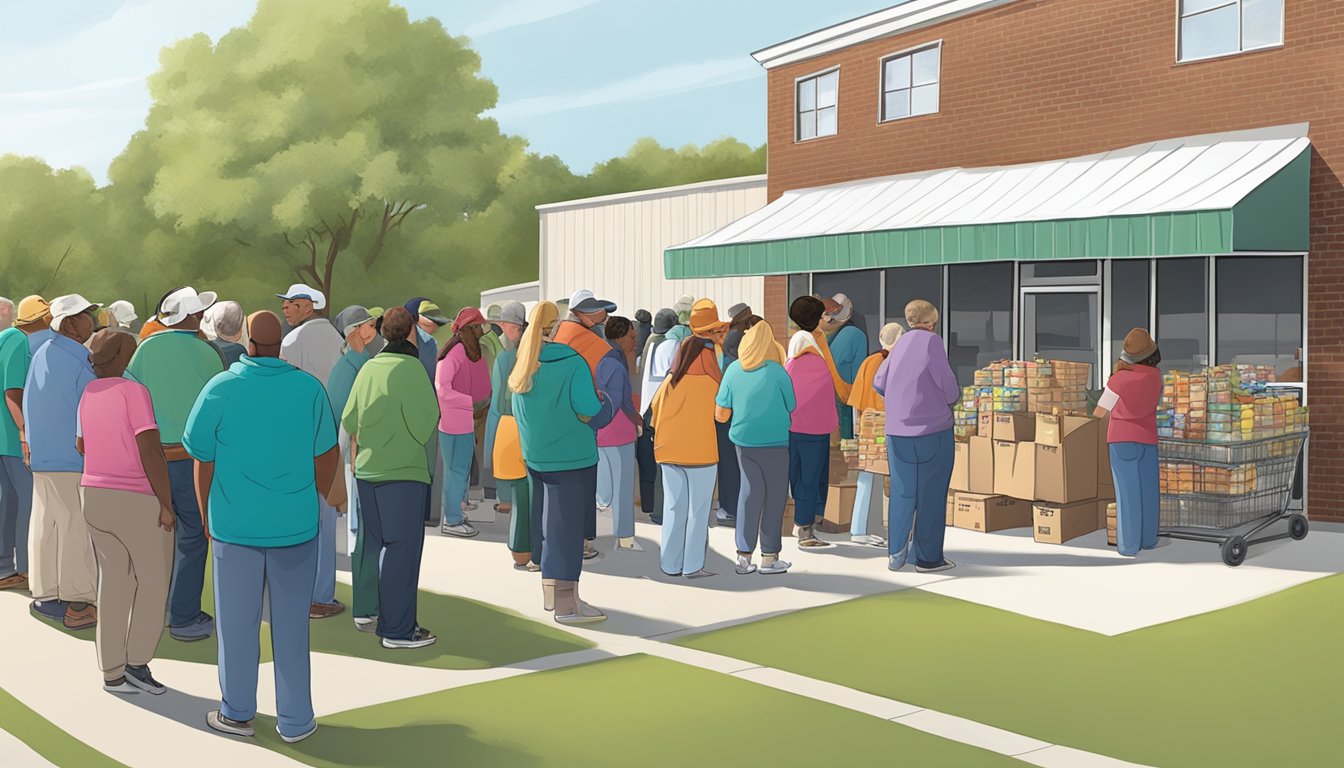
(128,456)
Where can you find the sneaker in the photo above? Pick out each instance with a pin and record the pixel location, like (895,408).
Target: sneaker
(422,637)
(744,565)
(17,581)
(325,610)
(656,519)
(628,544)
(366,623)
(700,574)
(220,723)
(807,538)
(869,541)
(141,678)
(198,629)
(470,506)
(726,520)
(772,567)
(946,565)
(896,562)
(463,530)
(589,550)
(300,737)
(121,685)
(80,618)
(52,609)
(533,568)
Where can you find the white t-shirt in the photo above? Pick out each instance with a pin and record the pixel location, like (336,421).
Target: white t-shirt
(1108,399)
(656,371)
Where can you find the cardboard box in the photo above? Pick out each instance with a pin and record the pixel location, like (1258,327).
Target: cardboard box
(1052,428)
(839,509)
(1058,523)
(951,507)
(1015,469)
(1017,427)
(1068,472)
(961,468)
(981,457)
(985,424)
(787,523)
(979,512)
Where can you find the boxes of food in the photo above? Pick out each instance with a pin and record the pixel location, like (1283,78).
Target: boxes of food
(1067,472)
(951,507)
(1016,427)
(1111,529)
(1051,428)
(961,467)
(839,508)
(1058,523)
(988,513)
(873,442)
(1015,469)
(981,465)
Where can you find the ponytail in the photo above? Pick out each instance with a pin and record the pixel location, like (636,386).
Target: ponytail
(544,315)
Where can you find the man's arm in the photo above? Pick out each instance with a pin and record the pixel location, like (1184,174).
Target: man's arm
(156,469)
(14,401)
(326,467)
(205,475)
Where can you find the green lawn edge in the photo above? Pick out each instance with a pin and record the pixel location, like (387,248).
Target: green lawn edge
(46,739)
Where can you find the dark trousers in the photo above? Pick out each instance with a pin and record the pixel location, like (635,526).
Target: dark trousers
(650,479)
(560,504)
(391,516)
(730,475)
(809,467)
(191,548)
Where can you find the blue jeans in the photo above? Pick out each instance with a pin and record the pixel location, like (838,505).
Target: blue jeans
(1134,468)
(456,452)
(730,474)
(561,502)
(324,586)
(243,575)
(762,498)
(616,486)
(863,504)
(184,599)
(689,492)
(921,469)
(392,530)
(809,468)
(16,509)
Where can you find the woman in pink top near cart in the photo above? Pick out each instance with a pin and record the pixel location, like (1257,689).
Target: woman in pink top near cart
(1131,398)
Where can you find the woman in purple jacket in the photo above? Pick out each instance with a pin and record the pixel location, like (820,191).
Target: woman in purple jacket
(920,389)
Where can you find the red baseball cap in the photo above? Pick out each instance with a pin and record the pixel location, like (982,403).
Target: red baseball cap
(468,316)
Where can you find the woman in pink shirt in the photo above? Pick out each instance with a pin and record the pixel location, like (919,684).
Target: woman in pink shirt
(812,421)
(128,505)
(1131,398)
(462,380)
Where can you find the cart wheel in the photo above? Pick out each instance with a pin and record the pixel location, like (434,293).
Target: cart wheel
(1297,527)
(1234,551)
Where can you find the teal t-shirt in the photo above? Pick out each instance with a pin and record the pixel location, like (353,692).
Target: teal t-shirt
(342,379)
(762,401)
(553,437)
(174,366)
(14,359)
(262,422)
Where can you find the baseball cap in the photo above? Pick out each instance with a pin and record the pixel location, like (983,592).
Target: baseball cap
(351,318)
(468,316)
(493,313)
(31,309)
(302,291)
(430,311)
(583,301)
(513,312)
(68,306)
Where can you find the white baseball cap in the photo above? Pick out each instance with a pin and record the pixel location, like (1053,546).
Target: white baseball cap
(183,303)
(123,311)
(68,306)
(301,291)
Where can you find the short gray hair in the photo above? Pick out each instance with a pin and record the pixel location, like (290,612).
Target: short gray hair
(226,318)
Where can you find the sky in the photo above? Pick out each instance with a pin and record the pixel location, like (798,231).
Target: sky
(581,79)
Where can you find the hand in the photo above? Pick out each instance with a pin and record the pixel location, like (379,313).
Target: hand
(167,518)
(27,455)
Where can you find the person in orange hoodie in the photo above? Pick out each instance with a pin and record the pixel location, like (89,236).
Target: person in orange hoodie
(863,397)
(686,443)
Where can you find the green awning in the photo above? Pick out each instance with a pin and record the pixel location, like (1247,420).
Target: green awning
(1207,195)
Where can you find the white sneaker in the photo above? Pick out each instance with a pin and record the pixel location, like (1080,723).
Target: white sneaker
(869,541)
(300,737)
(463,530)
(744,565)
(772,567)
(422,637)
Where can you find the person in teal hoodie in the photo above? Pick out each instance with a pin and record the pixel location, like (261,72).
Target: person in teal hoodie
(558,410)
(849,348)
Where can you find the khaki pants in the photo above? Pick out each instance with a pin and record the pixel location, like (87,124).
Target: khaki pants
(60,561)
(135,566)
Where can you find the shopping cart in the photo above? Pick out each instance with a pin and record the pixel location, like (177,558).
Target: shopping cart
(1230,493)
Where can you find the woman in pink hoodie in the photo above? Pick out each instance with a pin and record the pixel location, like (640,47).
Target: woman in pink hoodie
(462,381)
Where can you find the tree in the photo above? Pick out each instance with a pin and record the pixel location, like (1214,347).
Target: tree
(323,127)
(51,223)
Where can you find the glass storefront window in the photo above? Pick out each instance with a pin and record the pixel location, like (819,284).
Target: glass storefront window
(799,285)
(1130,303)
(1259,312)
(864,289)
(905,284)
(978,321)
(1183,313)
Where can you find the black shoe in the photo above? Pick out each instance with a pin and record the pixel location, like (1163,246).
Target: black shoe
(656,519)
(420,639)
(141,678)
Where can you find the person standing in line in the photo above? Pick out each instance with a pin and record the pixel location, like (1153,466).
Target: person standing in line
(128,506)
(740,319)
(919,389)
(462,382)
(428,349)
(492,344)
(643,329)
(756,398)
(359,326)
(559,411)
(123,316)
(224,322)
(686,444)
(34,317)
(7,310)
(863,397)
(259,500)
(849,348)
(682,330)
(314,347)
(515,491)
(16,479)
(175,365)
(1131,398)
(64,578)
(392,412)
(813,421)
(650,481)
(730,474)
(616,441)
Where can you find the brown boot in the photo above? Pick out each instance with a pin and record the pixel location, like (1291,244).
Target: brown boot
(548,594)
(521,559)
(570,609)
(17,581)
(80,616)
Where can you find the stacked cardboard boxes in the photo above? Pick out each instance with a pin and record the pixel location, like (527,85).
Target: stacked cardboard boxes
(1110,524)
(873,442)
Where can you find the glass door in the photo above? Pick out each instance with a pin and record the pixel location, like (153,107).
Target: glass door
(1063,323)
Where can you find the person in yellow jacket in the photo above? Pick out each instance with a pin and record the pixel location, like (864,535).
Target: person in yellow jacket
(685,443)
(863,397)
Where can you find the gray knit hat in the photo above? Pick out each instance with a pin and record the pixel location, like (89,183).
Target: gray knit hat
(664,321)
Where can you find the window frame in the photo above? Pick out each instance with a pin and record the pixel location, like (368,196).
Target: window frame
(882,89)
(1181,16)
(797,112)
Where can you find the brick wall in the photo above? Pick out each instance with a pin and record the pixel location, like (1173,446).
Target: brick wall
(1045,79)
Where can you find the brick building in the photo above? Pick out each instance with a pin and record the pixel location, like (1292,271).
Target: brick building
(1052,173)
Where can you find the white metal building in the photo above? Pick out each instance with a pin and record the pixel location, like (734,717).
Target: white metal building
(614,245)
(526,293)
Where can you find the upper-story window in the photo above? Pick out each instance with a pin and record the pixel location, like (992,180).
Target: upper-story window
(818,100)
(1211,28)
(910,82)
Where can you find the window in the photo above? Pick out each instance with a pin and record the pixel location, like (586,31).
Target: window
(1129,301)
(910,83)
(818,97)
(1219,27)
(978,322)
(1066,272)
(864,292)
(1182,314)
(1259,312)
(799,285)
(905,284)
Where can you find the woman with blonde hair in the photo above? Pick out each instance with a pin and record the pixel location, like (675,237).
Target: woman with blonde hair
(558,411)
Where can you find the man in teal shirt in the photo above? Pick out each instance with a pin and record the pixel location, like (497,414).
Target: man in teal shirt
(849,348)
(16,481)
(175,365)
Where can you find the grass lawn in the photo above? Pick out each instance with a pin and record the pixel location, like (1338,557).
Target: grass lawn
(46,739)
(1256,684)
(472,635)
(632,711)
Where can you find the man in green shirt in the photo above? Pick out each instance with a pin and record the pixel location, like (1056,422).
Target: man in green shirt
(392,412)
(175,365)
